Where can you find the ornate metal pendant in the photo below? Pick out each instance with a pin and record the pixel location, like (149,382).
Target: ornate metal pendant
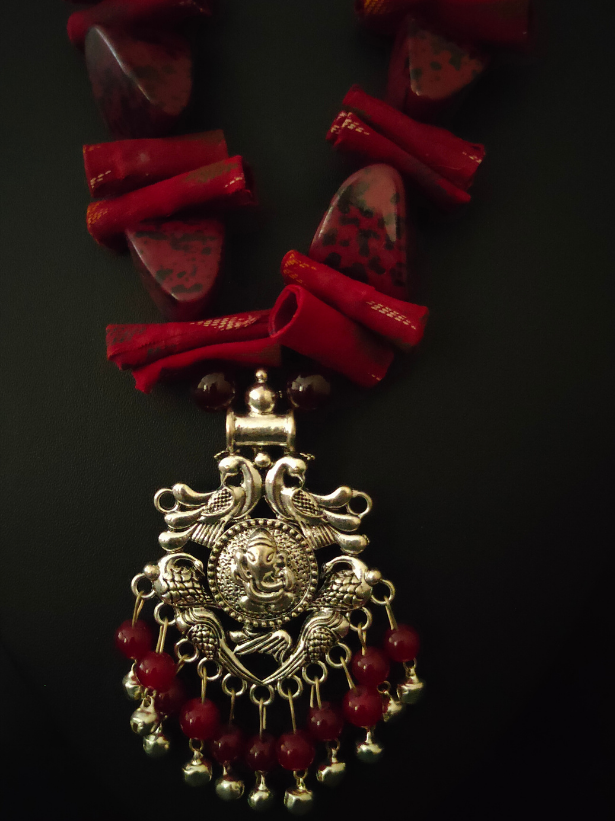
(257,611)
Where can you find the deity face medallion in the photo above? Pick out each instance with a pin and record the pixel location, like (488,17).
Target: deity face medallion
(263,572)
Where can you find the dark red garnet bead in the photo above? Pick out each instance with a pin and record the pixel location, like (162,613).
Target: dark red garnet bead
(308,391)
(215,391)
(401,643)
(326,722)
(363,706)
(295,751)
(260,753)
(370,666)
(156,671)
(228,745)
(199,719)
(170,702)
(133,640)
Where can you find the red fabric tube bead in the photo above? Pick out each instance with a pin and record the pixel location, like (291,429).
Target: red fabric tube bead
(127,13)
(402,323)
(131,346)
(384,15)
(448,155)
(500,22)
(302,322)
(351,134)
(223,184)
(122,165)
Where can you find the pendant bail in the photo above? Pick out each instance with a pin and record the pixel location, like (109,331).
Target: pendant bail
(261,426)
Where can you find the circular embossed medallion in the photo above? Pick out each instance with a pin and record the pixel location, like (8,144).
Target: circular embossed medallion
(262,572)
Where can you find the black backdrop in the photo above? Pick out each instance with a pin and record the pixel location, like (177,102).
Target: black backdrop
(488,454)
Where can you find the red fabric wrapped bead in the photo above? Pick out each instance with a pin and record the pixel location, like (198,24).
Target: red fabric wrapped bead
(402,323)
(500,22)
(384,15)
(302,322)
(442,164)
(118,167)
(224,184)
(127,13)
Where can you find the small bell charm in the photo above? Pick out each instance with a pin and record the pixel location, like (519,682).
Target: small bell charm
(411,688)
(145,719)
(132,686)
(394,707)
(332,771)
(369,751)
(261,798)
(197,772)
(300,800)
(156,744)
(229,787)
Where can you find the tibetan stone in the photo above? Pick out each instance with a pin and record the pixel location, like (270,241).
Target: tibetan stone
(429,72)
(141,84)
(179,262)
(364,233)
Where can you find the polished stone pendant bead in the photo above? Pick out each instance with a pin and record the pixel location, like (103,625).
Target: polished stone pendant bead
(300,800)
(156,744)
(170,702)
(411,689)
(229,787)
(145,718)
(132,686)
(197,772)
(362,706)
(429,72)
(199,719)
(370,666)
(156,671)
(369,751)
(133,640)
(261,798)
(215,391)
(364,233)
(401,643)
(229,745)
(179,262)
(141,84)
(260,752)
(308,391)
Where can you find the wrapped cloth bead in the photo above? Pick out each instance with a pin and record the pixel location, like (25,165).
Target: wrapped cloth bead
(130,13)
(302,322)
(120,166)
(221,185)
(141,84)
(401,323)
(497,22)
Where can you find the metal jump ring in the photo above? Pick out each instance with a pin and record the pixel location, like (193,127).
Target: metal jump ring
(314,681)
(387,599)
(346,656)
(357,494)
(258,701)
(287,695)
(181,657)
(202,670)
(158,504)
(134,586)
(229,691)
(160,619)
(361,628)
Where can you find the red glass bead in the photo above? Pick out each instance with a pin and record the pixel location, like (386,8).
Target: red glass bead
(215,391)
(133,640)
(308,391)
(170,701)
(228,745)
(295,751)
(401,643)
(370,666)
(199,719)
(260,753)
(362,706)
(156,671)
(325,722)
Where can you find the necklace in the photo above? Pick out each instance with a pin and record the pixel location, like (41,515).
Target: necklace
(263,572)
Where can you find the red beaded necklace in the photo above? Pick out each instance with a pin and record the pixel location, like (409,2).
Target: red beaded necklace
(233,582)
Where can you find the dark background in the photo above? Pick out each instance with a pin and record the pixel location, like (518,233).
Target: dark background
(489,454)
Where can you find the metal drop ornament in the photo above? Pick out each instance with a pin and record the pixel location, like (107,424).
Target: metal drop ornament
(247,602)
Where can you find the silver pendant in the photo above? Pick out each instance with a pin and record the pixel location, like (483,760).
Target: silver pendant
(231,583)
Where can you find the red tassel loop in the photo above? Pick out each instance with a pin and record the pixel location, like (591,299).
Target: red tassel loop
(117,167)
(224,184)
(402,323)
(128,13)
(302,322)
(172,349)
(439,164)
